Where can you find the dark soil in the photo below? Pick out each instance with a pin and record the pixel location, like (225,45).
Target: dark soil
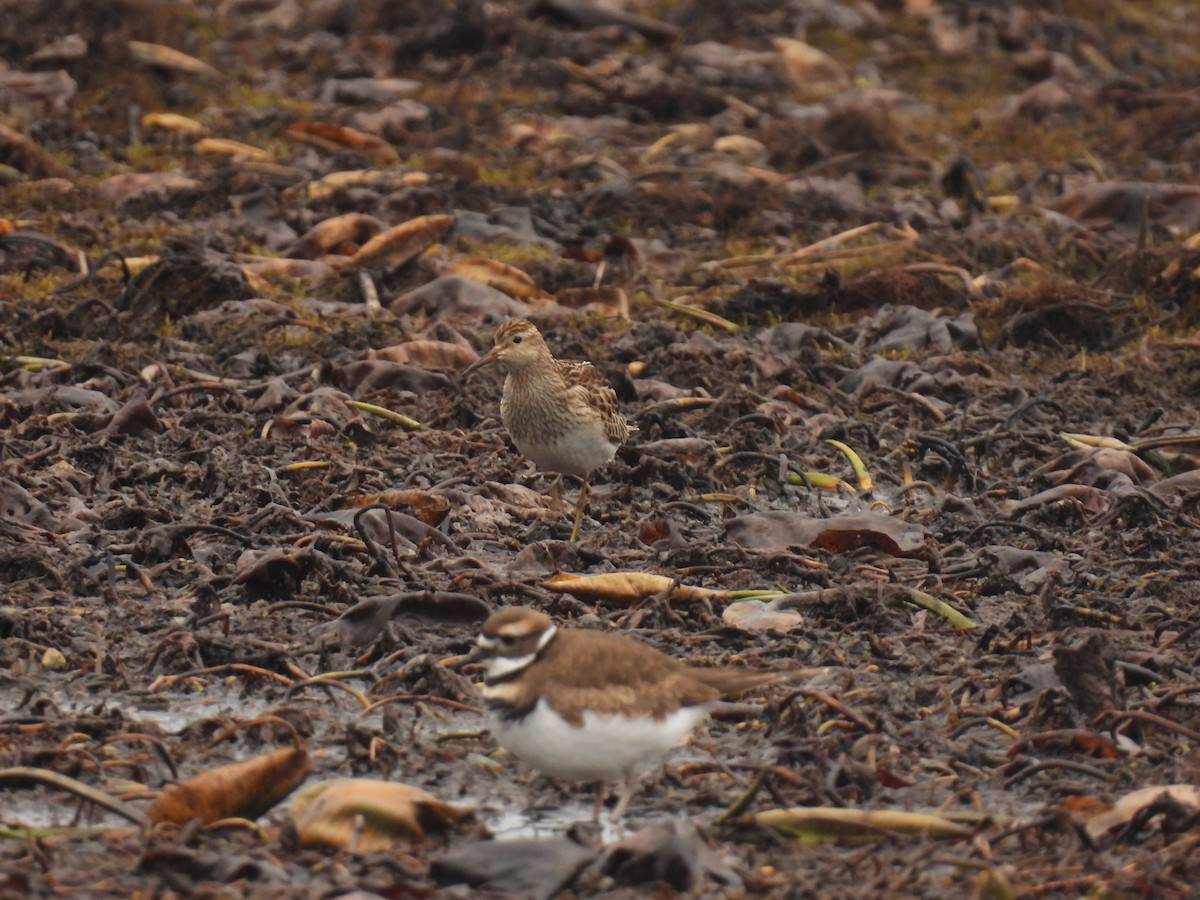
(192,493)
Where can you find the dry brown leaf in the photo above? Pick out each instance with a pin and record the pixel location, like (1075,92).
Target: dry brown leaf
(365,816)
(429,508)
(627,587)
(118,187)
(30,157)
(338,234)
(70,48)
(309,269)
(54,89)
(401,243)
(226,147)
(806,66)
(371,147)
(243,790)
(427,354)
(170,58)
(173,122)
(1125,205)
(1090,499)
(1185,797)
(754,616)
(350,178)
(778,530)
(607,299)
(501,276)
(742,146)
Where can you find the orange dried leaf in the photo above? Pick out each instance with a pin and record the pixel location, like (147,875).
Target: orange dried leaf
(401,243)
(240,790)
(627,587)
(332,235)
(429,508)
(226,147)
(340,181)
(371,147)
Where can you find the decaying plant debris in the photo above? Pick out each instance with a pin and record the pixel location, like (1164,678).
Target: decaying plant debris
(902,297)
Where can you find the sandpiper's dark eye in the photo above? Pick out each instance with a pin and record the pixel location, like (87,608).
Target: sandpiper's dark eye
(517,339)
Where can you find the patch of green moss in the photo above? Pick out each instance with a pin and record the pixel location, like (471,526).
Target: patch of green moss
(518,174)
(521,256)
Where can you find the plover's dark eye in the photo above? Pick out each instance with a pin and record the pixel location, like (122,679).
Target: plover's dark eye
(517,339)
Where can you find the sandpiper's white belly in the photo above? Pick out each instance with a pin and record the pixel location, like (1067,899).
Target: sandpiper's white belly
(574,452)
(605,748)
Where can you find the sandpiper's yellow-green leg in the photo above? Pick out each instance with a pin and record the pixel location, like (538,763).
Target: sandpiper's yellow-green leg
(579,506)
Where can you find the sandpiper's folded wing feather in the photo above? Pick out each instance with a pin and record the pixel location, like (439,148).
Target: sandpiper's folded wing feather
(590,387)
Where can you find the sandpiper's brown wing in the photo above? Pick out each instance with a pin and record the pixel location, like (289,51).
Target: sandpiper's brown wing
(590,387)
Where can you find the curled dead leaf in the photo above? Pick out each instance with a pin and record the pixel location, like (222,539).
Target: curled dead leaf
(128,184)
(429,508)
(371,147)
(365,816)
(170,58)
(234,149)
(823,825)
(742,146)
(401,243)
(779,529)
(806,66)
(501,276)
(244,790)
(768,616)
(337,234)
(1128,205)
(173,122)
(362,623)
(627,587)
(608,299)
(334,182)
(1182,798)
(28,156)
(427,355)
(293,269)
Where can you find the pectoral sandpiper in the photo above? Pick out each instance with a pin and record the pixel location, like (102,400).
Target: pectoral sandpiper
(562,415)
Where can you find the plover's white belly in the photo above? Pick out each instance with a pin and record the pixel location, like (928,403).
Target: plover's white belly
(605,748)
(573,452)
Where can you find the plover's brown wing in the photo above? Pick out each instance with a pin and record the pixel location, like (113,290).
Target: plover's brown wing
(736,681)
(612,674)
(587,386)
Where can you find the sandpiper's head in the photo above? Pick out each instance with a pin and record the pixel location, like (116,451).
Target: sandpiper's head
(518,344)
(511,639)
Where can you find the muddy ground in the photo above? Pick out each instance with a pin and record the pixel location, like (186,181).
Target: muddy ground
(249,245)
